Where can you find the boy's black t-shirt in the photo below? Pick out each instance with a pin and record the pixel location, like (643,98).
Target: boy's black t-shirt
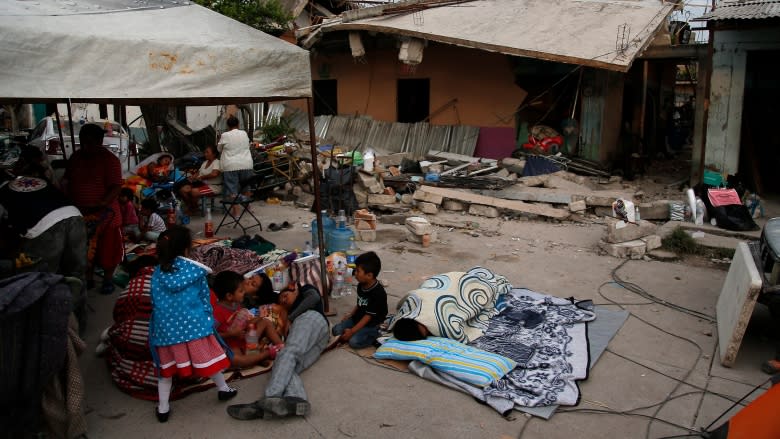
(371,301)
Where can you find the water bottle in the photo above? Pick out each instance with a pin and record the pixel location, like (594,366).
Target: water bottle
(338,281)
(699,211)
(349,283)
(352,252)
(308,251)
(251,338)
(208,227)
(636,215)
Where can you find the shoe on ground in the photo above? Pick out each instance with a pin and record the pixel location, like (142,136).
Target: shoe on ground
(161,417)
(226,395)
(107,288)
(771,367)
(297,406)
(246,412)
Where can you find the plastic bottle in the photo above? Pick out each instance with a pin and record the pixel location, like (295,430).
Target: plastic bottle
(338,281)
(208,227)
(308,250)
(327,225)
(699,211)
(339,238)
(278,278)
(251,338)
(636,215)
(368,161)
(352,252)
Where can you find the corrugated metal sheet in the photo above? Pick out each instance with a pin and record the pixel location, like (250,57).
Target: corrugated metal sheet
(744,11)
(362,133)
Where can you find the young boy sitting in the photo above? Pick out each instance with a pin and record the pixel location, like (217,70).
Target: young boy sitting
(151,224)
(360,327)
(233,321)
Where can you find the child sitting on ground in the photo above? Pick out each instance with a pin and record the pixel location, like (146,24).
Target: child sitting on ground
(360,327)
(129,215)
(233,321)
(152,223)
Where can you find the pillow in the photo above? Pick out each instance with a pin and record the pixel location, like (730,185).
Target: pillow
(464,362)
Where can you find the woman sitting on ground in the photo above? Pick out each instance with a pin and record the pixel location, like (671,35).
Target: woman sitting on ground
(206,182)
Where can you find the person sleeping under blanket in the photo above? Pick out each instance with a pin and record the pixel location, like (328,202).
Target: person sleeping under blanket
(455,305)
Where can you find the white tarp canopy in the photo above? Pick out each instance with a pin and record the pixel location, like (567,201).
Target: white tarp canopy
(150,51)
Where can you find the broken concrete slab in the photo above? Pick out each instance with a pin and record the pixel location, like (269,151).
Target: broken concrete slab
(578,206)
(657,210)
(480,210)
(428,208)
(631,249)
(653,242)
(516,206)
(735,303)
(407,198)
(418,225)
(381,199)
(424,195)
(453,205)
(620,231)
(558,196)
(411,237)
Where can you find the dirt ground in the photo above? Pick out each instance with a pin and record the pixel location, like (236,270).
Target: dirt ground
(659,376)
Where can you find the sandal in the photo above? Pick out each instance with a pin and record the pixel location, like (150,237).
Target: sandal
(274,227)
(285,225)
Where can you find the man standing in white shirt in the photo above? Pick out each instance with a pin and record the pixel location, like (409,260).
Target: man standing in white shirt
(235,159)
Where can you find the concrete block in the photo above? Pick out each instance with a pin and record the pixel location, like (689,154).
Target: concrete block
(365,235)
(428,197)
(502,173)
(428,208)
(381,199)
(578,206)
(407,198)
(735,303)
(412,237)
(629,232)
(487,211)
(653,242)
(453,205)
(361,195)
(657,210)
(631,249)
(419,225)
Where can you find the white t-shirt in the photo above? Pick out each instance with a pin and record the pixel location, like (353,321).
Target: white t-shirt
(214,183)
(156,223)
(234,147)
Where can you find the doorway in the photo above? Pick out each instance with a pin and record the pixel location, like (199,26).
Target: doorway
(326,100)
(413,100)
(759,161)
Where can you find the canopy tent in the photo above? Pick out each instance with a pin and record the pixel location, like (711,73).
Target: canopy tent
(127,52)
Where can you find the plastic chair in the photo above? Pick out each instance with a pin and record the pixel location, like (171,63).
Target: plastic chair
(249,185)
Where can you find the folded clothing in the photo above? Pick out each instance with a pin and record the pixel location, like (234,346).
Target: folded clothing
(464,362)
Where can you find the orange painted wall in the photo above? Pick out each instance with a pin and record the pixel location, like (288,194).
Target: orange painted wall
(482,82)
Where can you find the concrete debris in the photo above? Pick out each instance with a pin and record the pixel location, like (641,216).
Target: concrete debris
(620,231)
(428,208)
(631,249)
(486,211)
(453,205)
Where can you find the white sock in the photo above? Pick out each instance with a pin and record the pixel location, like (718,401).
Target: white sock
(219,380)
(164,392)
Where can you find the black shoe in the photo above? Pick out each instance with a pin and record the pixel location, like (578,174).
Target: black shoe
(162,417)
(297,406)
(246,412)
(225,395)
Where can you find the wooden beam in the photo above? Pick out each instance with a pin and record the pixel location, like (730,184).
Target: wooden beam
(515,206)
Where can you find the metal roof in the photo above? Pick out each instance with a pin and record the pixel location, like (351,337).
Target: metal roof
(606,34)
(754,10)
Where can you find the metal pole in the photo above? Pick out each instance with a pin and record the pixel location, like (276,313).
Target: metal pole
(644,108)
(317,210)
(72,136)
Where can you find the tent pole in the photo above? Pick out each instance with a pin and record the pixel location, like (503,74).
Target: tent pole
(72,136)
(317,210)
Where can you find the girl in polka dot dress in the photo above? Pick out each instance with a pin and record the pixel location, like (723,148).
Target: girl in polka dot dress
(181,331)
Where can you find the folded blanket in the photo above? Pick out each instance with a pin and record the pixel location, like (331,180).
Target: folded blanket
(456,305)
(464,362)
